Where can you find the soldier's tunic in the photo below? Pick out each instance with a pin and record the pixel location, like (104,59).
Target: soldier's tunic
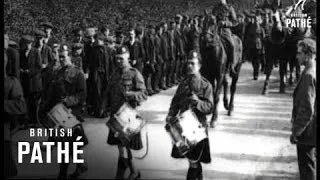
(254,36)
(122,81)
(203,89)
(14,105)
(226,14)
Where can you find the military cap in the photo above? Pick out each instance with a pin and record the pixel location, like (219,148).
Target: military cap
(13,44)
(100,36)
(194,55)
(27,38)
(122,50)
(77,46)
(240,14)
(39,33)
(47,24)
(139,30)
(56,45)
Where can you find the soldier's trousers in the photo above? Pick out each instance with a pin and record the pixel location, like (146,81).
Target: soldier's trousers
(98,82)
(147,75)
(227,41)
(170,72)
(33,105)
(155,79)
(255,56)
(163,76)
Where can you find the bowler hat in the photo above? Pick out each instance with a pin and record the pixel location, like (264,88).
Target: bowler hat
(39,33)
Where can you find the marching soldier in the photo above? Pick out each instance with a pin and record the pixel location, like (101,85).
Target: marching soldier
(193,92)
(126,85)
(254,36)
(67,86)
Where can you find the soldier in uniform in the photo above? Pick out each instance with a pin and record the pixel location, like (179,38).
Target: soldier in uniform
(226,19)
(149,66)
(126,86)
(30,68)
(193,92)
(254,35)
(67,86)
(179,47)
(165,56)
(14,105)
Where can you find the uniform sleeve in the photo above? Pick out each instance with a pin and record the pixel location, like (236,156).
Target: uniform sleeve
(304,110)
(80,97)
(17,104)
(140,93)
(175,105)
(205,103)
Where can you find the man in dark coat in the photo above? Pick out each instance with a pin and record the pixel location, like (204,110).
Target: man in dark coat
(180,49)
(193,92)
(14,105)
(169,34)
(304,112)
(31,67)
(165,56)
(13,66)
(99,72)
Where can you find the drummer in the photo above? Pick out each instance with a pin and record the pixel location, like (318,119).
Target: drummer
(193,92)
(126,86)
(67,86)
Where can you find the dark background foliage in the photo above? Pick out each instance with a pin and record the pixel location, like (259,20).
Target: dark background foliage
(22,16)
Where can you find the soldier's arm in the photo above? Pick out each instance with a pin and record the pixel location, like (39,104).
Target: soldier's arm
(139,94)
(16,105)
(176,104)
(81,92)
(205,103)
(305,111)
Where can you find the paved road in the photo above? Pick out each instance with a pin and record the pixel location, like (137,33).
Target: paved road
(253,143)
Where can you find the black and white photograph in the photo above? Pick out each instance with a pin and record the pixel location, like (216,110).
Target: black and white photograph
(160,89)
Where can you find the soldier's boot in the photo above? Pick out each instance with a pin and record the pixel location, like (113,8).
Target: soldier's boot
(282,88)
(123,164)
(81,168)
(265,88)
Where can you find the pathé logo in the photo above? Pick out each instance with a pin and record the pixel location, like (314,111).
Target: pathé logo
(295,17)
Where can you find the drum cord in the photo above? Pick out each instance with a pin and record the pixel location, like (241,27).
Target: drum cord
(147,146)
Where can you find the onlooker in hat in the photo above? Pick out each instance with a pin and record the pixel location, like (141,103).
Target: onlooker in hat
(76,57)
(77,36)
(47,28)
(99,72)
(31,66)
(13,66)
